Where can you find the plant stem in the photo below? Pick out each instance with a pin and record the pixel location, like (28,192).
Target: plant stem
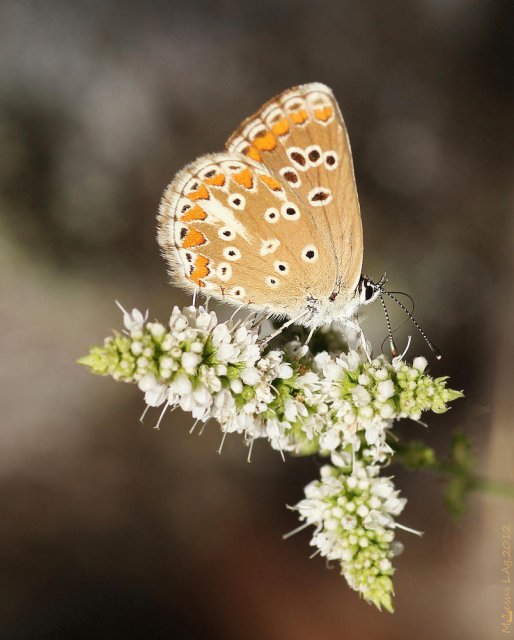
(501,489)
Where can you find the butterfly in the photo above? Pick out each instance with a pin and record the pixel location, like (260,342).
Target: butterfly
(273,223)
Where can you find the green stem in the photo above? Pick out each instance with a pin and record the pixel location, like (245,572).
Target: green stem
(502,489)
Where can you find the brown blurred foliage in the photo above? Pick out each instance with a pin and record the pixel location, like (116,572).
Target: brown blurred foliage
(111,529)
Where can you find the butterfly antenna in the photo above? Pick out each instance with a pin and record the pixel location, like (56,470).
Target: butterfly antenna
(394,351)
(430,344)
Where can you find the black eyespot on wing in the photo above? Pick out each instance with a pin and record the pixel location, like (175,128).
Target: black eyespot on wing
(291,177)
(298,158)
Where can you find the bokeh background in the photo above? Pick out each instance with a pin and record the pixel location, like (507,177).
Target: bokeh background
(110,529)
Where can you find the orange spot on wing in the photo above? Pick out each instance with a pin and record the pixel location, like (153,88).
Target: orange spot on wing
(323,114)
(195,213)
(253,153)
(266,142)
(244,178)
(200,194)
(281,127)
(300,116)
(216,181)
(270,182)
(200,270)
(193,238)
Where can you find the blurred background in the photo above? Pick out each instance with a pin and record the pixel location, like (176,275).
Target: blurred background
(111,529)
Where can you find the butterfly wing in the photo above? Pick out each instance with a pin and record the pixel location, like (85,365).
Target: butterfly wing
(229,226)
(274,222)
(300,136)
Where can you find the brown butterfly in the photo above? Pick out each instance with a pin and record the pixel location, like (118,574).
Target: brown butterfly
(273,223)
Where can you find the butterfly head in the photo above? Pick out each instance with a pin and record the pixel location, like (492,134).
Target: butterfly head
(368,291)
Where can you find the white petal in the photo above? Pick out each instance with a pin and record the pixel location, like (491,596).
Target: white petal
(285,371)
(420,363)
(386,389)
(147,382)
(156,396)
(250,376)
(181,384)
(190,361)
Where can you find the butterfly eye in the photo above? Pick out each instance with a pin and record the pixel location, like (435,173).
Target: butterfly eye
(368,292)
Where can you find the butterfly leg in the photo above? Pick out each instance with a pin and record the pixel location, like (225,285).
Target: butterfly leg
(311,332)
(264,342)
(363,344)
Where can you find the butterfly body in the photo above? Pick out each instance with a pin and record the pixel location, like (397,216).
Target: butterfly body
(272,223)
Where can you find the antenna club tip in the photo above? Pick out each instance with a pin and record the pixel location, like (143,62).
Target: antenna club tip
(439,356)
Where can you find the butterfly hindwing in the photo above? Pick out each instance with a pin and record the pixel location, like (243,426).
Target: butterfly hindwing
(230,227)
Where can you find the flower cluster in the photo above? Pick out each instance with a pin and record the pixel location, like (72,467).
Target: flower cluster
(339,404)
(353,510)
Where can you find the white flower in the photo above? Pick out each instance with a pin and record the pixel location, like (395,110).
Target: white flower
(134,320)
(330,440)
(284,371)
(420,363)
(180,385)
(361,396)
(250,376)
(190,361)
(386,389)
(236,385)
(290,409)
(155,396)
(147,382)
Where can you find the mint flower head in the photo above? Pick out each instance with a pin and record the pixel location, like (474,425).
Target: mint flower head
(327,402)
(353,509)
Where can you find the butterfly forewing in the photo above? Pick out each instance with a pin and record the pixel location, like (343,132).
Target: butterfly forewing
(274,222)
(301,136)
